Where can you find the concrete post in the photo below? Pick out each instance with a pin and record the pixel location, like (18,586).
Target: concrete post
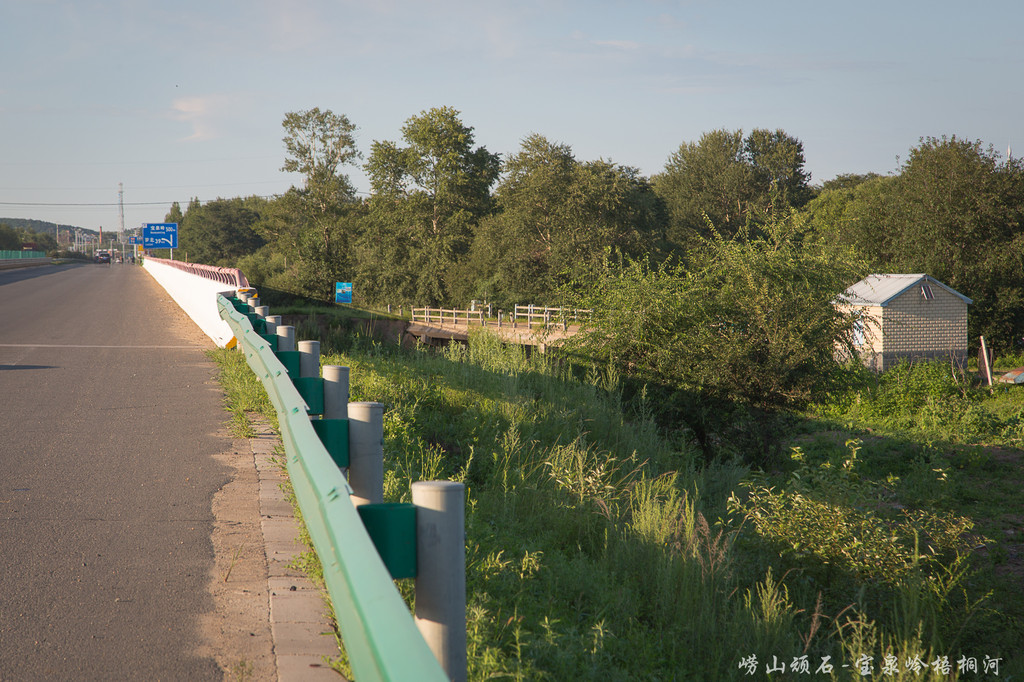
(335,392)
(285,337)
(254,302)
(366,452)
(441,572)
(262,311)
(309,360)
(272,323)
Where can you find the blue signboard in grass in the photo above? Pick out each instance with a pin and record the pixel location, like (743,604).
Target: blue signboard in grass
(343,292)
(160,235)
(134,240)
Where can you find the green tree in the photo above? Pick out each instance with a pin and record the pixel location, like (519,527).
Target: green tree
(555,218)
(221,231)
(10,239)
(427,199)
(777,161)
(745,331)
(318,144)
(732,180)
(954,211)
(848,180)
(174,215)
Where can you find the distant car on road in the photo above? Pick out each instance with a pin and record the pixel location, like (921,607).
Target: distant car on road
(102,257)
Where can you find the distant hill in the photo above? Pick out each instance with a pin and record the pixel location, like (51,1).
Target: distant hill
(42,226)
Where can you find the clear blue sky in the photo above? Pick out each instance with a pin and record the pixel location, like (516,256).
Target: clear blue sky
(185,99)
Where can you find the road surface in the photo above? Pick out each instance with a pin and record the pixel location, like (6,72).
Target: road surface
(109,422)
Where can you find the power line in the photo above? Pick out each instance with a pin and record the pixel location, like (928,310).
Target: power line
(92,189)
(113,203)
(116,203)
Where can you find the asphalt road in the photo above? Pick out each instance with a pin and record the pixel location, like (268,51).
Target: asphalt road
(109,418)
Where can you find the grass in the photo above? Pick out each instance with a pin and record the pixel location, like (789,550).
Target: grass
(937,448)
(600,546)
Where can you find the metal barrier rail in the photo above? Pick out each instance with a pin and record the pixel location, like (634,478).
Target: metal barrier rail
(381,638)
(9,264)
(232,276)
(18,255)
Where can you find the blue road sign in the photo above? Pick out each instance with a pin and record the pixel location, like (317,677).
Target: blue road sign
(343,292)
(160,235)
(134,240)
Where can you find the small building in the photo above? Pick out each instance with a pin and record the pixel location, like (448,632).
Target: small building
(908,317)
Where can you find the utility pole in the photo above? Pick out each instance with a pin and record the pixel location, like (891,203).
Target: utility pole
(120,204)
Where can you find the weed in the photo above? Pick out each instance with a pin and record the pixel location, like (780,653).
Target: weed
(602,545)
(242,671)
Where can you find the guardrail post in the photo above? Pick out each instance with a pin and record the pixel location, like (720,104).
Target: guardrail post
(254,302)
(441,572)
(272,323)
(309,358)
(366,452)
(262,311)
(285,337)
(335,392)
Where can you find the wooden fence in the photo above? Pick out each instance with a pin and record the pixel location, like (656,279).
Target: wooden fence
(527,316)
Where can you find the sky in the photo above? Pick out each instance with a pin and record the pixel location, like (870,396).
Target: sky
(185,99)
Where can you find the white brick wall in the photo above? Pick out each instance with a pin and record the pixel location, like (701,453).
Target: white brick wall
(912,326)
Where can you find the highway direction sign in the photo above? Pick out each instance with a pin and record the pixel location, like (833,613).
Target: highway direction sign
(160,235)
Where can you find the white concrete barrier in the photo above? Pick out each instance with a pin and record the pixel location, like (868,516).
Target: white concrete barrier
(196,291)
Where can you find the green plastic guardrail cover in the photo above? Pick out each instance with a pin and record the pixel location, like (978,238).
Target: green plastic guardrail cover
(333,434)
(392,527)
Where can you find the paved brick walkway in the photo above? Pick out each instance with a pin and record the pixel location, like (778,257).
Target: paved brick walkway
(299,616)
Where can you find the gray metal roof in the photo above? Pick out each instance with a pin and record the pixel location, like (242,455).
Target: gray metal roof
(880,289)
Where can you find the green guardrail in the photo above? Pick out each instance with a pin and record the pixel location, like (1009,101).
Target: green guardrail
(18,255)
(380,635)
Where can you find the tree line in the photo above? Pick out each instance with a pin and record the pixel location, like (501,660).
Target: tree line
(14,236)
(448,221)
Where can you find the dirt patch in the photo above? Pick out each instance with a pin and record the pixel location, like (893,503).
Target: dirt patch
(1007,455)
(389,331)
(237,633)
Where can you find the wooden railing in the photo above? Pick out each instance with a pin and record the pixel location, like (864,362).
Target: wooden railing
(547,316)
(524,316)
(446,315)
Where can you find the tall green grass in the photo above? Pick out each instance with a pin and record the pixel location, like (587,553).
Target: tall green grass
(602,547)
(244,394)
(598,546)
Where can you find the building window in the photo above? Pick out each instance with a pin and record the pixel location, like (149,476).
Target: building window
(926,292)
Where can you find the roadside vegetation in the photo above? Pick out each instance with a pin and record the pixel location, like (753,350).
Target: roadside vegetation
(601,545)
(694,487)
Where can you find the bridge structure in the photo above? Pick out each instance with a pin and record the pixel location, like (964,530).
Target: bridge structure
(532,326)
